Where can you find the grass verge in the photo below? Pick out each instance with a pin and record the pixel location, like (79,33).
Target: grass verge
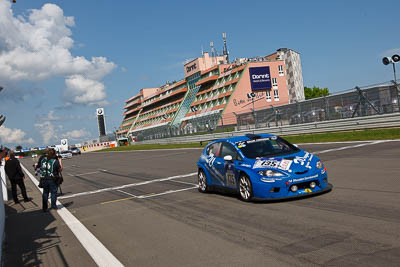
(359,135)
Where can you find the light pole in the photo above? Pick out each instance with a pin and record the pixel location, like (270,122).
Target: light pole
(394,59)
(194,109)
(251,96)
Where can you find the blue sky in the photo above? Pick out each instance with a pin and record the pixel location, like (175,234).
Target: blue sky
(60,60)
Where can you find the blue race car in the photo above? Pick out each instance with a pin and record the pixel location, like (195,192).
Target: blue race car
(261,166)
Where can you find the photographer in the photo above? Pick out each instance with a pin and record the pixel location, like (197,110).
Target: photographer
(50,170)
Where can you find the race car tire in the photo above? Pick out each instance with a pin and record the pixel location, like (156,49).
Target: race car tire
(202,182)
(245,188)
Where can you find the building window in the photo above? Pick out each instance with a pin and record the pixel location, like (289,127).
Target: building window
(276,95)
(268,97)
(274,83)
(280,69)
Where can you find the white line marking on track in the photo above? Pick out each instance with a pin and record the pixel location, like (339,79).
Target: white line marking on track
(349,142)
(181,182)
(127,185)
(129,194)
(348,147)
(166,192)
(99,253)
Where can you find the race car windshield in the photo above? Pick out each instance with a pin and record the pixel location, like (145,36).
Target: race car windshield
(267,147)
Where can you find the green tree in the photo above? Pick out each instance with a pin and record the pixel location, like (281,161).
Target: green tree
(18,147)
(315,92)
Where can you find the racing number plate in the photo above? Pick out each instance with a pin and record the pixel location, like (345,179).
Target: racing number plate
(230,179)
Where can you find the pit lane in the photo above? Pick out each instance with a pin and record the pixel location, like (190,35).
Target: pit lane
(160,220)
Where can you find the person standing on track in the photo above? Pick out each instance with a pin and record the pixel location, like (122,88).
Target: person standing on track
(50,169)
(16,177)
(37,165)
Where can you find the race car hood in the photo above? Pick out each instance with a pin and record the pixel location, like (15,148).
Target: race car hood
(296,164)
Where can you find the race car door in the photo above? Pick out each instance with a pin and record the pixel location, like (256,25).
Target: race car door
(213,152)
(227,168)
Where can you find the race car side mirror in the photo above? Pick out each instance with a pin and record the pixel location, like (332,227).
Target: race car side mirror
(228,158)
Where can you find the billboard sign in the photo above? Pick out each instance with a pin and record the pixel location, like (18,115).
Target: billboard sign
(192,67)
(260,78)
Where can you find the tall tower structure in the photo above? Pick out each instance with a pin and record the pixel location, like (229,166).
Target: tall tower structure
(101,123)
(225,51)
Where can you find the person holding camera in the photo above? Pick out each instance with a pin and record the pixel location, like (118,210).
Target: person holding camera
(50,169)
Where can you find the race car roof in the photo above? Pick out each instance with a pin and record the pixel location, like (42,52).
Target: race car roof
(245,137)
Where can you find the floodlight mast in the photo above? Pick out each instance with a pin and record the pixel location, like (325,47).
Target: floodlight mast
(394,59)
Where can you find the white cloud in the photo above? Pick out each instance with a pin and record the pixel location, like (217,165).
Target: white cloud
(52,132)
(84,91)
(76,134)
(37,47)
(49,131)
(14,136)
(51,116)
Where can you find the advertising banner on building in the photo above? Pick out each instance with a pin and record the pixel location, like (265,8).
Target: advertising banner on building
(260,78)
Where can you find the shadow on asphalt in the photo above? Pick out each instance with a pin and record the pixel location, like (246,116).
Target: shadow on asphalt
(228,193)
(29,236)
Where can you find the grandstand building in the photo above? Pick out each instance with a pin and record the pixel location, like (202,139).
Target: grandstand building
(212,94)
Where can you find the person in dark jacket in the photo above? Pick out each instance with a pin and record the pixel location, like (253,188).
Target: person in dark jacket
(3,153)
(16,177)
(50,169)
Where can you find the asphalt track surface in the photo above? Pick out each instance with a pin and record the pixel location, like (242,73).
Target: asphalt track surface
(143,206)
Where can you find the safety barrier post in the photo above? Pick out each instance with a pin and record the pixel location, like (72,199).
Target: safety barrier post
(3,197)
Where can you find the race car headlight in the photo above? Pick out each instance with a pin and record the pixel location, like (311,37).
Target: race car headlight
(319,164)
(270,173)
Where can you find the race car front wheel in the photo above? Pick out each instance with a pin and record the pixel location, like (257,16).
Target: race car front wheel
(202,179)
(245,189)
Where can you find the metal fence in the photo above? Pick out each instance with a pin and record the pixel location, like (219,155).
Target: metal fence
(357,123)
(359,102)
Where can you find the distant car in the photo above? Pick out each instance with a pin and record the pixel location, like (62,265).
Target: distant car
(262,166)
(34,155)
(75,151)
(65,154)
